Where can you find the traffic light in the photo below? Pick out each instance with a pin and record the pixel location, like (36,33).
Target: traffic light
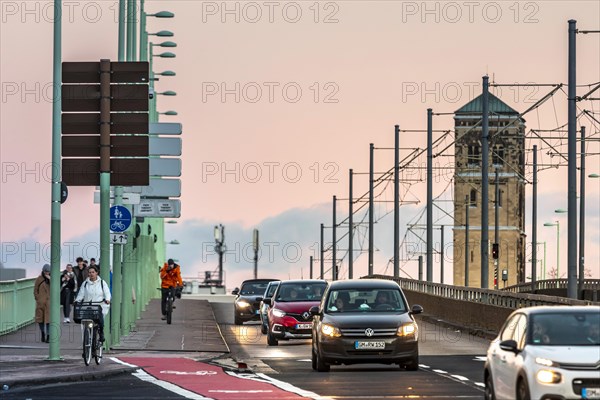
(495,251)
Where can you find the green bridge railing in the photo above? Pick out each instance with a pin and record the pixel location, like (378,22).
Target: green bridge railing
(17,305)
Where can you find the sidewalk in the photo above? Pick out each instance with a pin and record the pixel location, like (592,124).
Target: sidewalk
(194,332)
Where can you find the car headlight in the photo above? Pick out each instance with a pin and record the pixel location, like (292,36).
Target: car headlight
(330,330)
(548,376)
(243,304)
(278,313)
(409,329)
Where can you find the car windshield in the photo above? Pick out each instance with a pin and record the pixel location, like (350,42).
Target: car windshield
(271,289)
(257,288)
(371,300)
(301,292)
(565,329)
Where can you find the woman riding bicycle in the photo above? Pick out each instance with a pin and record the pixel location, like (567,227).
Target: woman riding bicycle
(170,275)
(96,290)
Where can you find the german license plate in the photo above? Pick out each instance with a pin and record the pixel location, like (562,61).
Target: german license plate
(590,393)
(369,345)
(304,326)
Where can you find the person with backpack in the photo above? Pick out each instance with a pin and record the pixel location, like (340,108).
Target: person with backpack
(95,289)
(41,293)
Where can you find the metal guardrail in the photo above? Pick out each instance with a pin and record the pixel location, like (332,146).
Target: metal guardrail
(588,284)
(500,298)
(17,305)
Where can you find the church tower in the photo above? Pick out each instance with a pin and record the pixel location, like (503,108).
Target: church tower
(507,156)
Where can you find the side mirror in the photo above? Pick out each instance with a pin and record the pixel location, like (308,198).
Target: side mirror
(267,301)
(235,291)
(509,345)
(314,310)
(416,309)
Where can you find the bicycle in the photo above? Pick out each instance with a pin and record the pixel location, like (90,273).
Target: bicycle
(88,314)
(171,294)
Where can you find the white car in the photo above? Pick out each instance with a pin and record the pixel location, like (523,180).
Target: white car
(546,353)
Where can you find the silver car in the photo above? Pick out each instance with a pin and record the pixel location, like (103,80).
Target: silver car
(264,308)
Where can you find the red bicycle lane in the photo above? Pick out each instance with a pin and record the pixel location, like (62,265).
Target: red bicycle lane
(198,380)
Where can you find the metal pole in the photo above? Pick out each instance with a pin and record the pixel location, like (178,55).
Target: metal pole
(467,205)
(442,254)
(130,16)
(311,267)
(544,260)
(322,257)
(572,167)
(134,31)
(55,226)
(143,36)
(370,261)
(105,177)
(333,244)
(117,287)
(420,268)
(350,229)
(534,223)
(557,250)
(582,216)
(485,130)
(496,227)
(396,201)
(256,246)
(429,234)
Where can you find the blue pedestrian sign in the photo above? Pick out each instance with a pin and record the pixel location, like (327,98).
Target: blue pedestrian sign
(120,218)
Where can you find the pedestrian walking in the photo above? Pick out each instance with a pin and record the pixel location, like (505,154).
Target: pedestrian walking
(41,293)
(68,288)
(81,273)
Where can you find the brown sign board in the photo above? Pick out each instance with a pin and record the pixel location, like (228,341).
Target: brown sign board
(89,123)
(87,97)
(124,172)
(120,146)
(89,72)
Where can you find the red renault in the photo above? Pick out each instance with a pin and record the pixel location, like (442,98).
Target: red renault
(289,315)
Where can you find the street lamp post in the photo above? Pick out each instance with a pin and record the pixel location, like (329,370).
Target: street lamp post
(220,248)
(557,224)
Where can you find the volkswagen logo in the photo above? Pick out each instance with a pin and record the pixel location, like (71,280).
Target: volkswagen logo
(305,315)
(369,332)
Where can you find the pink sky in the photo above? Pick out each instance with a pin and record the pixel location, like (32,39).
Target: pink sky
(364,64)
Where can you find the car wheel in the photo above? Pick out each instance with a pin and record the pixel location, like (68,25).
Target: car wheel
(264,329)
(322,366)
(522,389)
(314,359)
(412,365)
(237,320)
(271,340)
(489,388)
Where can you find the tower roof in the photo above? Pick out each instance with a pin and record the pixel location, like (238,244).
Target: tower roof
(496,106)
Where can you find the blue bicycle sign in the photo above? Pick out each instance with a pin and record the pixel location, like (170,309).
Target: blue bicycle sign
(120,219)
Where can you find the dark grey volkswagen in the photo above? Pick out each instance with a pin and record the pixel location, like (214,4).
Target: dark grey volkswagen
(365,321)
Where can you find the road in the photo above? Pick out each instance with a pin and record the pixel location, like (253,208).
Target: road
(451,364)
(451,367)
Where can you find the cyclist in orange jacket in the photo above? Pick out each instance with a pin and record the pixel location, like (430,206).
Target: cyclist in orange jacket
(170,275)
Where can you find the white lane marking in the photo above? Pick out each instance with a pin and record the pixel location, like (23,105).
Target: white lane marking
(480,358)
(305,360)
(144,376)
(200,373)
(259,377)
(439,371)
(424,366)
(480,384)
(182,341)
(460,377)
(290,388)
(241,391)
(122,362)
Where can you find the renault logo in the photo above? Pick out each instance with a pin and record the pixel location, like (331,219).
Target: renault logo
(369,332)
(305,315)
